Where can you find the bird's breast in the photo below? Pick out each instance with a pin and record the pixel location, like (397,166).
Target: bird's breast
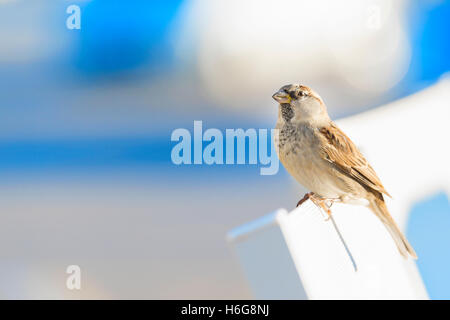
(299,152)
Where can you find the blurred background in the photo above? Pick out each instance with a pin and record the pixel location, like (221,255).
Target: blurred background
(86,117)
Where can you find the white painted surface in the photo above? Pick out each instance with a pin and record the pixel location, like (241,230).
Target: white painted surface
(304,240)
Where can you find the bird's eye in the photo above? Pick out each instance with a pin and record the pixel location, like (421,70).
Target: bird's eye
(301,94)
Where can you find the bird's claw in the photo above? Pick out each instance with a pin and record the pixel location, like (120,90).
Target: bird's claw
(322,204)
(318,201)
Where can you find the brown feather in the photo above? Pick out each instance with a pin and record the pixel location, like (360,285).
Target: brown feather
(379,208)
(342,152)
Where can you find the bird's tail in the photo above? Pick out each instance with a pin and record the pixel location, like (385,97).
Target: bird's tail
(379,208)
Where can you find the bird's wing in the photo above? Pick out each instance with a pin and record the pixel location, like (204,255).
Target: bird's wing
(338,149)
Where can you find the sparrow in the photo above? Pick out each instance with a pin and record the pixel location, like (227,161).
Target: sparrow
(325,161)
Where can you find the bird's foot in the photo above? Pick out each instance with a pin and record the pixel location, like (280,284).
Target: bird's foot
(325,208)
(324,204)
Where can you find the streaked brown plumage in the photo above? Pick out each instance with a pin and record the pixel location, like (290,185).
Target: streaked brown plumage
(339,150)
(324,160)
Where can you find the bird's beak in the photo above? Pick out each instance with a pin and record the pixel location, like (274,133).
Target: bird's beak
(281,97)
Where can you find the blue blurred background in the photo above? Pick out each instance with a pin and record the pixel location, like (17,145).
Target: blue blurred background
(86,118)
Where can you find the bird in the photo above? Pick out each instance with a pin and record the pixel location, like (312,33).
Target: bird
(322,158)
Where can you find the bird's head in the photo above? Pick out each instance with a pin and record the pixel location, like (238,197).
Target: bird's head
(300,103)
